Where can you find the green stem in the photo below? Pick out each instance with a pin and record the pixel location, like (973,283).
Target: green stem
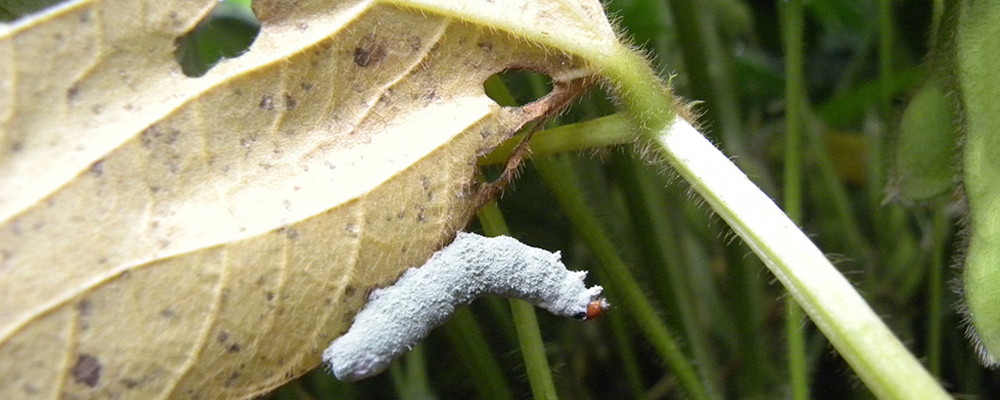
(865,342)
(794,101)
(652,219)
(834,194)
(599,132)
(533,350)
(525,320)
(709,72)
(468,341)
(631,371)
(935,293)
(885,52)
(794,107)
(410,377)
(570,198)
(798,368)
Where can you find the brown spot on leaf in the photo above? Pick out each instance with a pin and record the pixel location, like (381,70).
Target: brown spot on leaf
(17,147)
(97,168)
(425,183)
(368,54)
(87,370)
(167,313)
(234,348)
(266,103)
(290,102)
(84,307)
(232,378)
(72,92)
(149,135)
(415,42)
(223,336)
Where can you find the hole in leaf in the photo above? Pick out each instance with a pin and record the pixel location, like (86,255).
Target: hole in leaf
(226,32)
(517,87)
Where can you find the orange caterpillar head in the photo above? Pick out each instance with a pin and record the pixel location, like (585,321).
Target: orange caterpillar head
(596,308)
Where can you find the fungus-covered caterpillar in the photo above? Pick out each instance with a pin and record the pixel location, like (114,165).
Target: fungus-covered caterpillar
(399,316)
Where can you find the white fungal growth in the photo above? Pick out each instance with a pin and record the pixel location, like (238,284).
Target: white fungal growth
(399,316)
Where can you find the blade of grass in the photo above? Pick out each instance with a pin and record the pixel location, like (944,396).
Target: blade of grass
(794,106)
(710,76)
(655,228)
(409,378)
(935,309)
(630,367)
(472,349)
(559,179)
(525,320)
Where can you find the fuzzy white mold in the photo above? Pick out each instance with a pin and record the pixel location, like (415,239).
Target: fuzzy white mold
(398,317)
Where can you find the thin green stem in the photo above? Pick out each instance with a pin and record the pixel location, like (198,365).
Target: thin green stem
(794,101)
(798,367)
(652,220)
(631,371)
(885,51)
(605,131)
(468,341)
(410,377)
(706,66)
(533,350)
(834,193)
(416,375)
(525,320)
(794,108)
(876,158)
(935,292)
(570,198)
(709,71)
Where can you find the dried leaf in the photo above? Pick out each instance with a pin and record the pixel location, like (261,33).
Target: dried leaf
(166,236)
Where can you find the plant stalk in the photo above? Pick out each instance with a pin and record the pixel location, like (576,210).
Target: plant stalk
(865,342)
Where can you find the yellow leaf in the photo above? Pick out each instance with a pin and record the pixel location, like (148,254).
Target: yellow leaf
(166,236)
